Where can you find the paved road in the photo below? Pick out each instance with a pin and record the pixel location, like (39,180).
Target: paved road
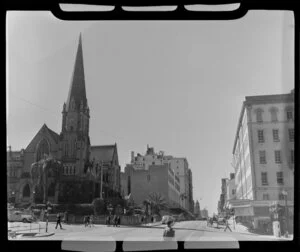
(184,231)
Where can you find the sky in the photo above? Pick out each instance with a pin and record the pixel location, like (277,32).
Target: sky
(175,85)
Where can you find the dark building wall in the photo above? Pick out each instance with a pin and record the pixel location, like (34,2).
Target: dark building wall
(143,182)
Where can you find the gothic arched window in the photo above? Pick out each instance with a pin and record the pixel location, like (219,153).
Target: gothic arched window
(26,191)
(43,149)
(51,190)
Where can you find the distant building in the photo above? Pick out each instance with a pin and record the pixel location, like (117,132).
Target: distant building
(204,213)
(179,165)
(197,212)
(222,200)
(230,190)
(263,156)
(108,155)
(159,179)
(15,163)
(190,191)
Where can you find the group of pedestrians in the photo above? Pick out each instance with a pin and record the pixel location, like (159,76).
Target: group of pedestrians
(210,222)
(114,220)
(88,221)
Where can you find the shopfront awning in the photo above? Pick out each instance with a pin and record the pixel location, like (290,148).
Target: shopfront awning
(246,210)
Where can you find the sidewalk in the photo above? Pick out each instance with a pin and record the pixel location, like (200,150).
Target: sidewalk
(240,228)
(158,223)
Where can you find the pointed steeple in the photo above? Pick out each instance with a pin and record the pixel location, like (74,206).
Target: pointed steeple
(77,87)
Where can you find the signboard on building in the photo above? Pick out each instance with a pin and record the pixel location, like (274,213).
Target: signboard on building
(261,211)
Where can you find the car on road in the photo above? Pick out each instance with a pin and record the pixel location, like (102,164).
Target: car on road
(166,218)
(19,216)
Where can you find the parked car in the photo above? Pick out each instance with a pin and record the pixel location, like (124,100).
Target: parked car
(19,216)
(166,218)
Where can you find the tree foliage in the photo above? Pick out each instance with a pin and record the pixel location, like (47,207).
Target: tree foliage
(99,206)
(40,172)
(157,202)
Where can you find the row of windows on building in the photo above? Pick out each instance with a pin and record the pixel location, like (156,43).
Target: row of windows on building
(261,137)
(266,196)
(69,170)
(12,174)
(274,113)
(277,157)
(279,176)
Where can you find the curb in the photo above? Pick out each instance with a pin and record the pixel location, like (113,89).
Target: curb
(34,234)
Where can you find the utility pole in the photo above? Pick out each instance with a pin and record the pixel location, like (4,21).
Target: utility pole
(101,178)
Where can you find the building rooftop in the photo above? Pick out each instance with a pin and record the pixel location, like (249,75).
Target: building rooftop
(103,153)
(261,99)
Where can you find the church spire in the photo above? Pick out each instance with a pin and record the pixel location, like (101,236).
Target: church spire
(77,87)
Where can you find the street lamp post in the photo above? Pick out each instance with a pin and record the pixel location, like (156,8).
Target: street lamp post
(286,213)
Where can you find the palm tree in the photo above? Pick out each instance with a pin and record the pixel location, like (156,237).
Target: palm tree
(41,170)
(157,202)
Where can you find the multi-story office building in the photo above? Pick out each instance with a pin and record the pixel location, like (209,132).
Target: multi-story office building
(230,190)
(197,212)
(190,192)
(221,202)
(263,156)
(160,179)
(15,162)
(204,213)
(179,165)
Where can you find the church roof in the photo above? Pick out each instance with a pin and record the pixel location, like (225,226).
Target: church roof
(77,86)
(53,134)
(103,152)
(43,130)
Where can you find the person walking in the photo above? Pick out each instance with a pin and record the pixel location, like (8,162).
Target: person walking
(108,220)
(114,220)
(91,221)
(119,220)
(86,221)
(152,219)
(58,221)
(227,225)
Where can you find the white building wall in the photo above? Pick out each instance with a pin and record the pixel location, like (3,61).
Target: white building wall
(284,145)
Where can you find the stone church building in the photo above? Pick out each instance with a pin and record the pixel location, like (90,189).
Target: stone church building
(73,148)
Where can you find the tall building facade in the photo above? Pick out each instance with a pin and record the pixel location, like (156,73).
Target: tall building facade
(160,179)
(197,212)
(230,190)
(179,165)
(263,155)
(221,202)
(80,181)
(204,213)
